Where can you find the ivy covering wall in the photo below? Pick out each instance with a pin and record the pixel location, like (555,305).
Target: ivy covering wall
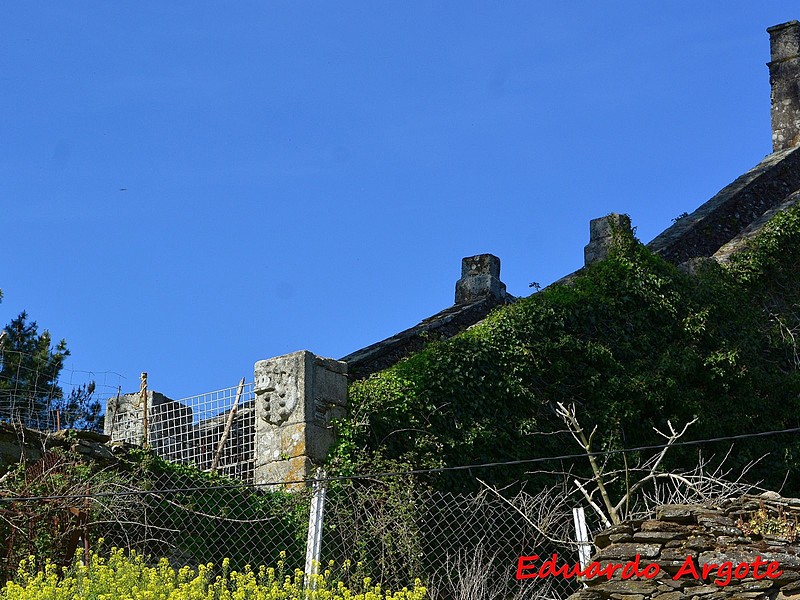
(633,341)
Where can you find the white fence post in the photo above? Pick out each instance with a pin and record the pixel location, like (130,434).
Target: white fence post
(582,537)
(315,518)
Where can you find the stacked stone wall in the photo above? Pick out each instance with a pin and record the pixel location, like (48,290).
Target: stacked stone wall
(746,530)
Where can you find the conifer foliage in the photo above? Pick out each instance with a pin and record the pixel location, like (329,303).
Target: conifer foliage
(30,393)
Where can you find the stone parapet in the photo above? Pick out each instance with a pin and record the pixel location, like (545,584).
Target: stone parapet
(477,292)
(480,277)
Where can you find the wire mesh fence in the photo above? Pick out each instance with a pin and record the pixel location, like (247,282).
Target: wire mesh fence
(211,431)
(396,530)
(45,395)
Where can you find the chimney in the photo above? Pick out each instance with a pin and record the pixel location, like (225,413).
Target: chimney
(784,78)
(480,277)
(601,236)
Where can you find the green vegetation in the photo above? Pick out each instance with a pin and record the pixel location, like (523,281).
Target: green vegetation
(217,516)
(145,503)
(130,576)
(632,341)
(30,366)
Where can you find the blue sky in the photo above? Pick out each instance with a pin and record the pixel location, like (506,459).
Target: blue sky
(189,187)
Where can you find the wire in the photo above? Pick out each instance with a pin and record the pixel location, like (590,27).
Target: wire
(729,438)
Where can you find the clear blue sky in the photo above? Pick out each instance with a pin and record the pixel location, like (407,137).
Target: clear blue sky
(305,175)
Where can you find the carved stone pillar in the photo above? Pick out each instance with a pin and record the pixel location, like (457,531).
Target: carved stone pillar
(297,396)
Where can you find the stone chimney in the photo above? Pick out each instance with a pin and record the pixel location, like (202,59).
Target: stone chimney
(784,78)
(480,277)
(601,236)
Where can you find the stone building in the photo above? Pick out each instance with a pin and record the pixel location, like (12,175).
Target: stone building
(284,429)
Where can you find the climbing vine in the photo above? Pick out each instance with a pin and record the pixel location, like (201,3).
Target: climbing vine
(631,340)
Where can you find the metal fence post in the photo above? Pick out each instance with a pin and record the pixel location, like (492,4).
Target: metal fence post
(582,538)
(315,518)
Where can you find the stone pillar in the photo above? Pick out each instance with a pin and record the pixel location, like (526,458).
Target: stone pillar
(480,277)
(297,396)
(601,235)
(784,79)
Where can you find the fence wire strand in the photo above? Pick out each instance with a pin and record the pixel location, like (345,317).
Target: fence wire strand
(393,533)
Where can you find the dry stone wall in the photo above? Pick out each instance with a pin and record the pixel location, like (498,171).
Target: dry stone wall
(680,537)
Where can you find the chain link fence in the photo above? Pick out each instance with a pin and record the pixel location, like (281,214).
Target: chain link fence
(464,546)
(393,530)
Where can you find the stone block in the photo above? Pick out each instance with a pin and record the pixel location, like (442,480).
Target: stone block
(292,471)
(627,551)
(784,40)
(297,396)
(601,236)
(170,429)
(480,277)
(293,440)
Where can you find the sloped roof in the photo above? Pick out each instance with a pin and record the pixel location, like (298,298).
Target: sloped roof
(739,209)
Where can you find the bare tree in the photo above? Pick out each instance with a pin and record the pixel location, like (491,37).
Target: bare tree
(647,484)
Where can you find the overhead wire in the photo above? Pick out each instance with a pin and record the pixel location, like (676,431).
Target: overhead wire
(487,465)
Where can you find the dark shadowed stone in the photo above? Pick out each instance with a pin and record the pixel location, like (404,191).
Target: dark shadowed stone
(654,525)
(754,586)
(631,586)
(670,584)
(699,542)
(676,513)
(727,540)
(676,554)
(659,537)
(775,540)
(715,521)
(587,595)
(702,590)
(671,596)
(603,538)
(629,551)
(787,577)
(791,589)
(719,531)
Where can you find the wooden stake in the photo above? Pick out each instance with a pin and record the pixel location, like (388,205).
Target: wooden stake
(143,401)
(226,432)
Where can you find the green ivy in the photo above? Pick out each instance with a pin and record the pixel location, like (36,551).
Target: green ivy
(632,340)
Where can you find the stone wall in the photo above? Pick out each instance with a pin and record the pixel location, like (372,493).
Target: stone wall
(768,185)
(733,531)
(19,443)
(280,435)
(784,78)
